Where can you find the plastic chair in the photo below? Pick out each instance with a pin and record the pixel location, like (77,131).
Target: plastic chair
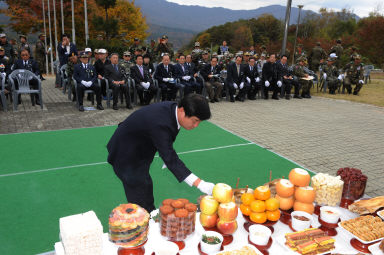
(2,93)
(109,91)
(367,73)
(64,77)
(23,77)
(87,91)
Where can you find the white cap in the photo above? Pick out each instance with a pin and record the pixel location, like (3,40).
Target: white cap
(102,51)
(3,35)
(88,50)
(333,55)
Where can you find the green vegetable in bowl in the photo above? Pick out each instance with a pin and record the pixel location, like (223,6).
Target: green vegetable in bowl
(211,239)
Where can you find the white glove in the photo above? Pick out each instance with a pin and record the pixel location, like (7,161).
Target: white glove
(248,80)
(146,85)
(257,79)
(340,77)
(4,74)
(361,81)
(279,84)
(241,85)
(267,84)
(166,79)
(84,83)
(171,79)
(235,85)
(325,76)
(89,84)
(49,49)
(206,187)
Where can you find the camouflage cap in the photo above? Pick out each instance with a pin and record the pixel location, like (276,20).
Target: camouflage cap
(197,44)
(357,56)
(96,51)
(24,36)
(353,48)
(41,34)
(205,52)
(214,54)
(127,53)
(302,59)
(247,54)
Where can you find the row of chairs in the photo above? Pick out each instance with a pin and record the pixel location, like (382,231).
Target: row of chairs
(23,77)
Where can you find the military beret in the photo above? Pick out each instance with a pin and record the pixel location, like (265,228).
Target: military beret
(127,53)
(164,37)
(83,55)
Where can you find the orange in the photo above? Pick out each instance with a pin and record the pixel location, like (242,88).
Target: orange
(262,193)
(273,215)
(258,217)
(245,209)
(258,206)
(272,204)
(247,198)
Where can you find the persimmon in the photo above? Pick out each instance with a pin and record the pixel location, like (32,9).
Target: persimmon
(258,206)
(258,217)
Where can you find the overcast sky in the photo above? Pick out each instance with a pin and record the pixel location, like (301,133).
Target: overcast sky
(359,7)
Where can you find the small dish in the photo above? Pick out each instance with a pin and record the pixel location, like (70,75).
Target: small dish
(329,214)
(259,234)
(167,248)
(211,248)
(301,220)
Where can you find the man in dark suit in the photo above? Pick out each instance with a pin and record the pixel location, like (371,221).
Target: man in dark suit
(86,77)
(65,49)
(252,79)
(149,130)
(286,77)
(235,79)
(211,74)
(270,77)
(143,81)
(186,78)
(114,73)
(165,74)
(100,64)
(31,65)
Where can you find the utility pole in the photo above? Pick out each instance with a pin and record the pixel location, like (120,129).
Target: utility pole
(287,16)
(50,36)
(86,22)
(54,21)
(73,22)
(45,39)
(297,31)
(62,16)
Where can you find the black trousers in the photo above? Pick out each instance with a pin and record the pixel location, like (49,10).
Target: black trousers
(232,91)
(80,92)
(146,95)
(140,192)
(115,92)
(168,91)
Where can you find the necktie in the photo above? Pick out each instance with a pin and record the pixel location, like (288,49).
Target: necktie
(251,67)
(141,70)
(238,70)
(117,69)
(166,68)
(25,64)
(182,66)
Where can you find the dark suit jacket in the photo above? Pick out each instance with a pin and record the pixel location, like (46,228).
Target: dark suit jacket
(251,74)
(282,71)
(161,72)
(31,66)
(207,70)
(270,72)
(64,55)
(191,67)
(232,76)
(179,71)
(111,74)
(81,74)
(136,75)
(136,140)
(99,66)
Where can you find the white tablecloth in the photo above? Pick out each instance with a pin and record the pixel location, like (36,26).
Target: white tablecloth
(240,238)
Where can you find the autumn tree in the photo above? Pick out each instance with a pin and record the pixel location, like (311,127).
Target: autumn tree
(205,40)
(108,25)
(242,38)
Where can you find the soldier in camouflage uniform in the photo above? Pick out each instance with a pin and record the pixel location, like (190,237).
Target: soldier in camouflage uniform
(126,64)
(263,50)
(164,47)
(23,45)
(40,53)
(331,75)
(151,49)
(73,60)
(135,46)
(355,75)
(246,57)
(300,73)
(338,50)
(8,48)
(316,57)
(5,67)
(203,61)
(353,53)
(300,52)
(196,53)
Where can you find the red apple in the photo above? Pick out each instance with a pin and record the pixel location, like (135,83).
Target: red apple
(222,192)
(208,221)
(228,211)
(209,205)
(227,227)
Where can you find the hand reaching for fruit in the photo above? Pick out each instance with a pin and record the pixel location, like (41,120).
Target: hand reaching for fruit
(206,187)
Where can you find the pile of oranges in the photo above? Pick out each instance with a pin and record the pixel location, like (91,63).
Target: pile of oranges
(260,206)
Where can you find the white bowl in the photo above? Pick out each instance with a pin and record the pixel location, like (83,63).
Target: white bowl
(329,214)
(211,248)
(299,225)
(259,234)
(166,248)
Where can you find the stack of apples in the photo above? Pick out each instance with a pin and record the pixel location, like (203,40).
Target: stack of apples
(295,192)
(260,206)
(219,210)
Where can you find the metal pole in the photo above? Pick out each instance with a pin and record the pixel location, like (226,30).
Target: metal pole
(62,16)
(45,39)
(50,36)
(287,16)
(73,23)
(86,22)
(297,31)
(54,21)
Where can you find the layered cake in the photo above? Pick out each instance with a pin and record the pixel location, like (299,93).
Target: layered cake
(128,225)
(177,218)
(310,241)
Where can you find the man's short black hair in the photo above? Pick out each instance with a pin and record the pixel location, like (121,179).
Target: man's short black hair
(284,56)
(65,35)
(195,105)
(217,59)
(139,56)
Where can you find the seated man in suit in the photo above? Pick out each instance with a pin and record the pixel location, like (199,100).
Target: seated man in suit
(143,81)
(5,68)
(147,62)
(165,74)
(270,77)
(100,64)
(252,78)
(286,77)
(31,65)
(86,77)
(186,77)
(235,79)
(114,73)
(211,74)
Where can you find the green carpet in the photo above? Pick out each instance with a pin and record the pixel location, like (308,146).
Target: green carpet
(53,185)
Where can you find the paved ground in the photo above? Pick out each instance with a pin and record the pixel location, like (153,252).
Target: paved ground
(320,134)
